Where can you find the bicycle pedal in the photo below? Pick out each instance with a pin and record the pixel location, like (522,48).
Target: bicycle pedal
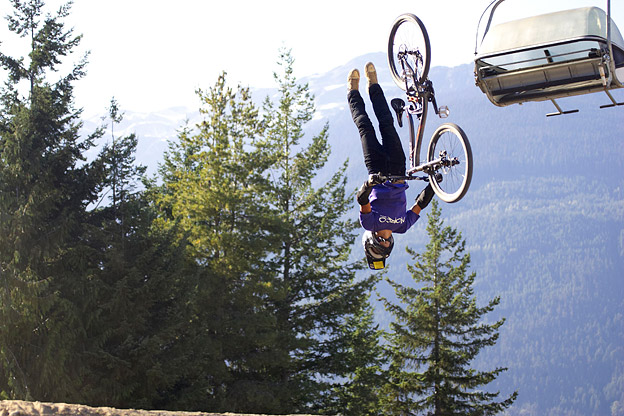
(443,111)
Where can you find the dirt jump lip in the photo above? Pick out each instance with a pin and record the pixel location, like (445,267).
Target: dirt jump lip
(24,408)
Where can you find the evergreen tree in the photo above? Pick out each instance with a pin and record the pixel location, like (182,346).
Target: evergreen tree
(45,187)
(438,331)
(315,288)
(212,180)
(134,315)
(124,174)
(274,299)
(364,361)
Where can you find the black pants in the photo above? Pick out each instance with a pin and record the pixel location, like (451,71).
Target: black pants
(386,157)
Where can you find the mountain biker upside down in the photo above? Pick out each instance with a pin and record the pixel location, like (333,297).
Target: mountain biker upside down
(382,204)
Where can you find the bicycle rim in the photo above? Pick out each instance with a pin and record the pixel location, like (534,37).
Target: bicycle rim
(451,139)
(408,35)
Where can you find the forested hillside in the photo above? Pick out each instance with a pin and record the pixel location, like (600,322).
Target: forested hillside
(543,220)
(544,223)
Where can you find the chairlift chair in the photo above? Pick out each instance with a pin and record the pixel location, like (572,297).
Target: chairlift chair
(545,57)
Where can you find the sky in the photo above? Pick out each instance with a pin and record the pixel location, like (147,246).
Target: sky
(153,54)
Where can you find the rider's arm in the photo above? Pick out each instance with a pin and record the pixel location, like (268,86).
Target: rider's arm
(366,209)
(423,199)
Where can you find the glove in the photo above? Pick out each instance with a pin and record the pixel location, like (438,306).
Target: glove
(425,196)
(364,192)
(367,187)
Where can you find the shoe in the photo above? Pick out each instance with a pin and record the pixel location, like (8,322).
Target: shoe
(371,74)
(353,81)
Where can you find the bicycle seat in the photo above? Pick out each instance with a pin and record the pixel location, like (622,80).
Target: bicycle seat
(399,106)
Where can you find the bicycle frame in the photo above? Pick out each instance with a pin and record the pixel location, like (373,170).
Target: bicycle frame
(418,95)
(417,106)
(448,153)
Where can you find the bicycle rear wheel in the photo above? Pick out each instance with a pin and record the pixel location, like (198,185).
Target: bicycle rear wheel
(409,38)
(450,140)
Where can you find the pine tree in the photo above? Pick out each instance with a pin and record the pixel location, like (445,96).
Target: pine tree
(133,311)
(315,287)
(438,331)
(364,361)
(212,183)
(45,187)
(274,290)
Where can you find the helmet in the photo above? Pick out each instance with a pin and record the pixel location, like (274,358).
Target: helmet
(376,254)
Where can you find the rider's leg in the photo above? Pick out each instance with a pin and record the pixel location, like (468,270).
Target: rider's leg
(374,155)
(389,136)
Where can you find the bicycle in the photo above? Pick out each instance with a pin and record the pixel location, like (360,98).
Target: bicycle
(449,153)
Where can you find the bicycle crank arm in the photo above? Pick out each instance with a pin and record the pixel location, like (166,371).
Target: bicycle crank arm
(442,111)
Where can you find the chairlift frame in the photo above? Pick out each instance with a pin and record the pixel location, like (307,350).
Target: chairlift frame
(602,67)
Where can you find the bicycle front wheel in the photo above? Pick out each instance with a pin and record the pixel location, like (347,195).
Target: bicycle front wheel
(451,143)
(409,51)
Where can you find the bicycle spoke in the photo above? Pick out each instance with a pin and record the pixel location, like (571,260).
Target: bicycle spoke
(408,51)
(453,175)
(450,144)
(407,41)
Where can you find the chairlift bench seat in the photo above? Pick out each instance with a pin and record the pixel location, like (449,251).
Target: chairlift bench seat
(550,56)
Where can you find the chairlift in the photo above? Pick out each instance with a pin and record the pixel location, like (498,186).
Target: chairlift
(550,56)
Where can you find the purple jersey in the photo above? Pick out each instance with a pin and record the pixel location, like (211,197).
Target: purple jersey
(389,209)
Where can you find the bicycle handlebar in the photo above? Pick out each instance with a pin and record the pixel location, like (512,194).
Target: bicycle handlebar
(394,178)
(430,168)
